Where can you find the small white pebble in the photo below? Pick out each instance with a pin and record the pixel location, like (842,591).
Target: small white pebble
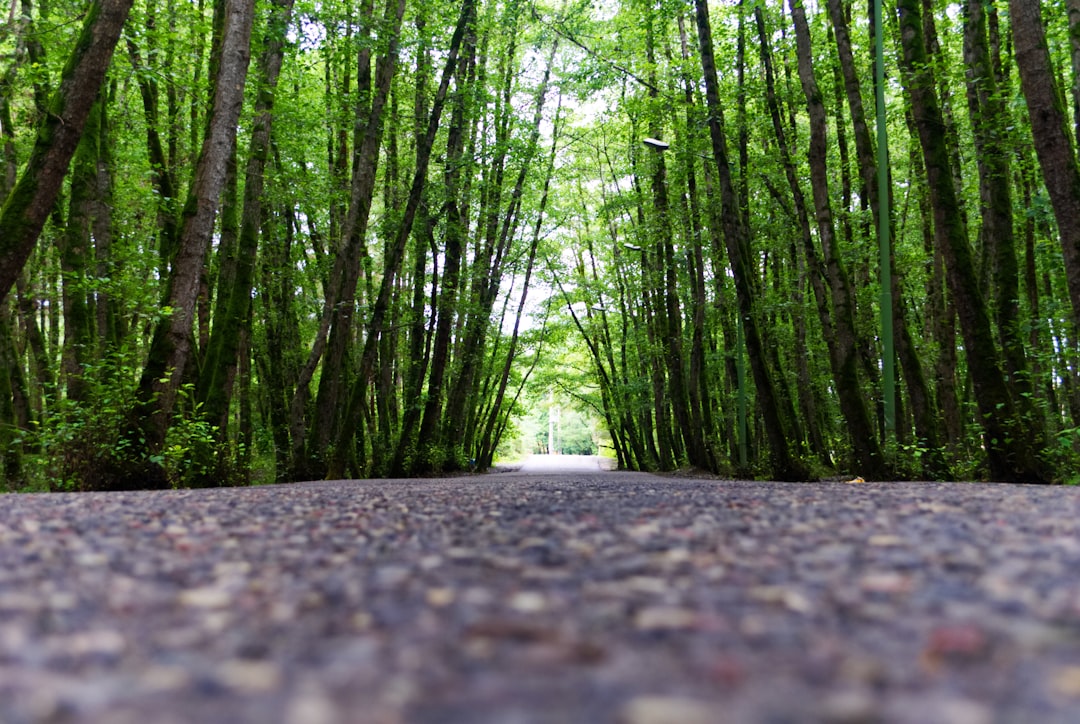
(667,710)
(528,602)
(205,597)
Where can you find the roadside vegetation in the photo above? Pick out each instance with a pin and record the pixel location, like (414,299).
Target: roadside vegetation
(250,241)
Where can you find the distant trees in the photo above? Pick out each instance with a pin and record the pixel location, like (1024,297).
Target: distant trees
(269,240)
(784,228)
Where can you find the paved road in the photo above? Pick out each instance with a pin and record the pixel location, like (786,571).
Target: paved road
(565,464)
(522,598)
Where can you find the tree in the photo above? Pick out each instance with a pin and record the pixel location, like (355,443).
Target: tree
(31,200)
(1049,128)
(171,347)
(1013,448)
(233,309)
(785,465)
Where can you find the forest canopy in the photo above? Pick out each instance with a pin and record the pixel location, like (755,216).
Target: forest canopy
(274,240)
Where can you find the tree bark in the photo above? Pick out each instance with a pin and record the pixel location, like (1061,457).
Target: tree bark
(1049,127)
(396,250)
(923,407)
(76,256)
(171,347)
(31,200)
(1073,7)
(1012,448)
(456,230)
(232,312)
(785,466)
(990,123)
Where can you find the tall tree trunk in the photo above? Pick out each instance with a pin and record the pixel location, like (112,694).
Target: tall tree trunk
(923,407)
(1013,449)
(352,255)
(500,225)
(990,122)
(785,465)
(1049,127)
(396,250)
(76,255)
(232,313)
(14,409)
(171,348)
(310,454)
(1073,7)
(843,340)
(426,452)
(31,200)
(109,320)
(278,349)
(490,435)
(701,396)
(162,173)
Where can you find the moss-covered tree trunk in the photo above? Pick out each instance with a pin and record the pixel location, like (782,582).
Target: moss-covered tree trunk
(924,407)
(843,340)
(76,255)
(352,258)
(785,464)
(1049,127)
(993,146)
(171,348)
(424,451)
(232,312)
(31,200)
(347,431)
(1012,446)
(14,408)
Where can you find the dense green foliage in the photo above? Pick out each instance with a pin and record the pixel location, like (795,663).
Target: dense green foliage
(438,223)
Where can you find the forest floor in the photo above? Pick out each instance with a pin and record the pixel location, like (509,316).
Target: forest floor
(524,598)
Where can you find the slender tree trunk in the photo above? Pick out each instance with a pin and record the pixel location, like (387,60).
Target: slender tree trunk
(310,445)
(923,407)
(396,249)
(111,325)
(233,308)
(1073,7)
(171,348)
(14,410)
(843,340)
(1049,127)
(1012,448)
(162,173)
(989,117)
(423,235)
(76,257)
(490,435)
(453,212)
(278,351)
(31,200)
(352,256)
(460,417)
(785,466)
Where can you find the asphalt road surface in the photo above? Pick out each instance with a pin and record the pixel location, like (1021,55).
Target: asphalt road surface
(585,596)
(565,464)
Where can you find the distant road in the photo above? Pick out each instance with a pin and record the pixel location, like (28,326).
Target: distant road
(566,464)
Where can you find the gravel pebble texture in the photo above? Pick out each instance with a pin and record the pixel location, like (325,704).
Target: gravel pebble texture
(521,598)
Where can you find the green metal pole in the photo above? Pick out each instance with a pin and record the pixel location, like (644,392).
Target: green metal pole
(740,370)
(888,367)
